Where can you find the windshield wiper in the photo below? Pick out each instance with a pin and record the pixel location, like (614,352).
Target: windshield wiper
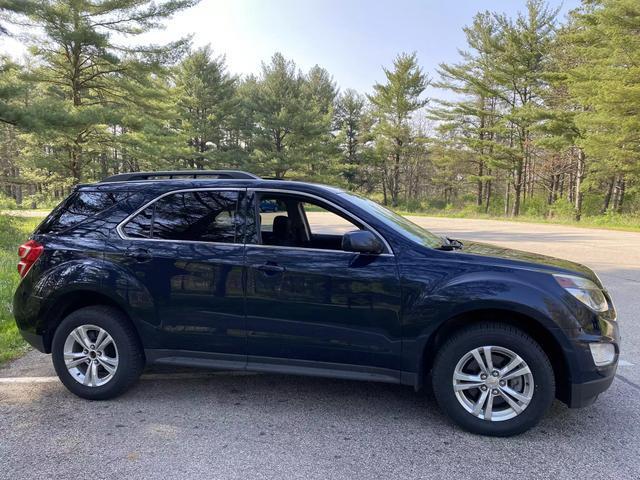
(450,244)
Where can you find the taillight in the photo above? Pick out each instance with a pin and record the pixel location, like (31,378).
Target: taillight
(28,253)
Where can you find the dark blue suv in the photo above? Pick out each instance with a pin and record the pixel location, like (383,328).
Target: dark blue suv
(225,270)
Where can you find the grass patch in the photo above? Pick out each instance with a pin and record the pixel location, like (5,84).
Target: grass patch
(14,230)
(607,222)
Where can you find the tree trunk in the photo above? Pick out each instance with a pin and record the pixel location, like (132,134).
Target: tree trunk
(384,191)
(395,183)
(517,189)
(32,191)
(552,190)
(607,196)
(507,192)
(579,177)
(480,185)
(623,185)
(619,194)
(74,166)
(487,191)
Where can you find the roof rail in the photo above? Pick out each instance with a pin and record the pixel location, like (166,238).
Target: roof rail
(179,174)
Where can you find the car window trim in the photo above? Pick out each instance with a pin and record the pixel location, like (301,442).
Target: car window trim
(353,217)
(123,223)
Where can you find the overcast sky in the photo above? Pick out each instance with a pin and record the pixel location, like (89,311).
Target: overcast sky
(352,39)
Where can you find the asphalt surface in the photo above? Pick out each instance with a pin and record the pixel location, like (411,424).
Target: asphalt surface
(218,425)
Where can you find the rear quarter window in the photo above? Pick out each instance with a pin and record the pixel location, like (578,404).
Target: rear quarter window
(78,208)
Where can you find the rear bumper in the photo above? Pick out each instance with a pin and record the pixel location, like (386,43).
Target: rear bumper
(27,311)
(35,340)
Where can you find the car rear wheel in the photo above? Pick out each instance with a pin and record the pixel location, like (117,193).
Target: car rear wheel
(493,379)
(96,353)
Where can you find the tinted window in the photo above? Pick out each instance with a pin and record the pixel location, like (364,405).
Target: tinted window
(269,209)
(190,216)
(140,225)
(323,222)
(400,224)
(289,220)
(80,206)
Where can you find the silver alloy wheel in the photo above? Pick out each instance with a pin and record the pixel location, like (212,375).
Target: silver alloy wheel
(90,355)
(493,383)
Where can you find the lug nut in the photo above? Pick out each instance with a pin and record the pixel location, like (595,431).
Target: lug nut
(99,353)
(494,391)
(88,362)
(483,376)
(85,351)
(483,388)
(92,347)
(495,373)
(502,383)
(96,362)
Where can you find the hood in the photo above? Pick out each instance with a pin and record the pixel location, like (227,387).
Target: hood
(531,259)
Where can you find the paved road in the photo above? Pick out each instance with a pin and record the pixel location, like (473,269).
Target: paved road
(219,425)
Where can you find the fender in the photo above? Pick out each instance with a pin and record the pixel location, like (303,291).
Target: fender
(99,277)
(475,292)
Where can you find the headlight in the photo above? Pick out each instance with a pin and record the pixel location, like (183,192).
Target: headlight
(584,290)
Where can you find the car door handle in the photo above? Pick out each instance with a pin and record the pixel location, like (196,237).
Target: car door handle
(140,255)
(269,268)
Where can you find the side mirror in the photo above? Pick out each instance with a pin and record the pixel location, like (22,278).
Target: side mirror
(361,241)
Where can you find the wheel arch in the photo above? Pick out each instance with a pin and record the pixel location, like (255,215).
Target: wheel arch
(527,323)
(69,302)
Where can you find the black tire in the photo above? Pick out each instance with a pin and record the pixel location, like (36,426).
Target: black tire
(499,335)
(130,354)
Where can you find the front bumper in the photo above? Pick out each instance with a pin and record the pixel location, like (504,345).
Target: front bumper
(587,380)
(584,394)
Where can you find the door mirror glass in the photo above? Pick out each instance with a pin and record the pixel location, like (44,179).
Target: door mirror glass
(361,241)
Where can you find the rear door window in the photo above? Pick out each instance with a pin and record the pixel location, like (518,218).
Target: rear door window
(196,216)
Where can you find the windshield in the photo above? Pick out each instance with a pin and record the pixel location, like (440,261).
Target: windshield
(400,224)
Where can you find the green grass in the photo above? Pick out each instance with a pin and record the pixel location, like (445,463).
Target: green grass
(14,230)
(608,222)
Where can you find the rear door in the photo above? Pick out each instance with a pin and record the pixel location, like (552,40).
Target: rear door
(312,305)
(187,248)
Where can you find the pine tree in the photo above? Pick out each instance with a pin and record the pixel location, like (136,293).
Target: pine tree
(469,126)
(606,82)
(91,78)
(291,119)
(395,102)
(206,102)
(519,69)
(349,123)
(319,147)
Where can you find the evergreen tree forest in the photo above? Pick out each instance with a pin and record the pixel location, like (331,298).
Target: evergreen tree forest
(539,117)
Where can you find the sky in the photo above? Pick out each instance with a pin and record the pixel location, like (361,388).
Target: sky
(352,39)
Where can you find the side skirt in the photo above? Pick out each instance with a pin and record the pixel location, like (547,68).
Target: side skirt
(184,358)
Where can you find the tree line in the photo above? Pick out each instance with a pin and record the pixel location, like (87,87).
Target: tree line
(539,116)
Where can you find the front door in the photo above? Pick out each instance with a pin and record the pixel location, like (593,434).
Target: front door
(312,305)
(187,249)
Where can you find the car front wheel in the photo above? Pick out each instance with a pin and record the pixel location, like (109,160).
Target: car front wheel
(493,379)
